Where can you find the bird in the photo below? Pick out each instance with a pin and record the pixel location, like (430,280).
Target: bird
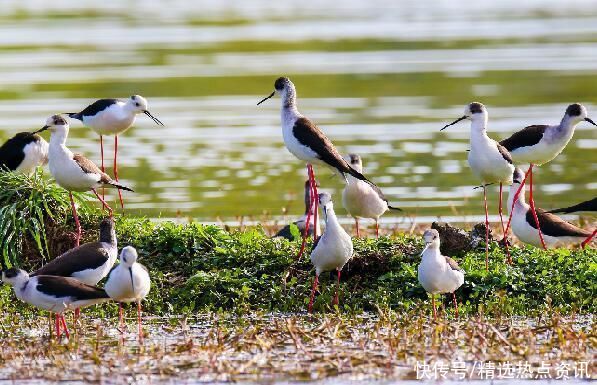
(332,250)
(128,282)
(306,141)
(586,206)
(489,161)
(74,172)
(308,217)
(362,199)
(113,117)
(52,293)
(437,273)
(539,144)
(23,153)
(556,231)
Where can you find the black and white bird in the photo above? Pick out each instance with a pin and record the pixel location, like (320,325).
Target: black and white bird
(539,144)
(437,273)
(490,162)
(128,282)
(301,223)
(332,250)
(74,172)
(306,141)
(55,294)
(362,199)
(586,206)
(556,231)
(88,263)
(113,117)
(23,153)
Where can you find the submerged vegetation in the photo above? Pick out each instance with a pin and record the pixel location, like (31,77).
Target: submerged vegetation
(198,268)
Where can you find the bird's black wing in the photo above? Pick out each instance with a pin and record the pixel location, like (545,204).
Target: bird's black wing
(555,226)
(63,287)
(11,152)
(528,136)
(590,205)
(93,108)
(87,256)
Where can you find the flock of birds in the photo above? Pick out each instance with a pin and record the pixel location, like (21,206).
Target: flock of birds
(69,281)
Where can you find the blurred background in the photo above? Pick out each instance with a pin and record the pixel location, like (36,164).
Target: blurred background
(380,77)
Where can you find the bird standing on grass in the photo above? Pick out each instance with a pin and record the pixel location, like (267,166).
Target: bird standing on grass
(113,117)
(556,231)
(129,282)
(362,199)
(23,153)
(332,250)
(55,294)
(438,274)
(490,162)
(74,172)
(539,144)
(307,142)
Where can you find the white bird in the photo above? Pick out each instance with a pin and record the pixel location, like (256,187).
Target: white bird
(128,282)
(113,117)
(490,162)
(301,223)
(332,250)
(539,144)
(306,141)
(74,172)
(556,231)
(437,273)
(55,294)
(362,199)
(23,153)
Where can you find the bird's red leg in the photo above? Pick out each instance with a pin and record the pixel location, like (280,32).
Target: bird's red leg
(120,317)
(116,170)
(66,332)
(316,201)
(532,202)
(77,314)
(77,223)
(335,302)
(103,202)
(516,195)
(57,325)
(356,223)
(139,328)
(455,303)
(588,240)
(306,232)
(433,304)
(486,229)
(377,228)
(313,289)
(102,155)
(509,260)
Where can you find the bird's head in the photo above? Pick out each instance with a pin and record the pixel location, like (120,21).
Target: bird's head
(431,237)
(283,87)
(128,256)
(14,277)
(355,162)
(577,112)
(472,111)
(54,123)
(517,176)
(138,104)
(325,202)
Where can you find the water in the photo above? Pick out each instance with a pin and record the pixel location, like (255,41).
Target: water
(381,78)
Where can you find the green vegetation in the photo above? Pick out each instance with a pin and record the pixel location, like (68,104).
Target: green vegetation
(197,268)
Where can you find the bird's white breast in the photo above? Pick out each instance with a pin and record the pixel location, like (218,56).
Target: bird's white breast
(115,119)
(289,117)
(36,154)
(120,288)
(361,201)
(67,172)
(436,276)
(488,164)
(550,146)
(333,251)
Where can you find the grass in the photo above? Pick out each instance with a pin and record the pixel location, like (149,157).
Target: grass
(199,268)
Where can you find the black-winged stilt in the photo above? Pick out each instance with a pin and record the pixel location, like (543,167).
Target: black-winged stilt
(74,172)
(23,153)
(308,217)
(490,162)
(539,144)
(437,273)
(55,294)
(113,117)
(306,141)
(128,282)
(332,250)
(362,199)
(555,230)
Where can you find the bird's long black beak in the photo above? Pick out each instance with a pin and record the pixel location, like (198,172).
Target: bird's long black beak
(132,281)
(267,97)
(153,117)
(590,121)
(41,129)
(454,122)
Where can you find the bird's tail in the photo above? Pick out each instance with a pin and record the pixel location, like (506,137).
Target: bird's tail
(119,186)
(74,115)
(394,208)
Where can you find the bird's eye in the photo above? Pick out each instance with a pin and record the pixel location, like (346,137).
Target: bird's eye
(137,104)
(434,237)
